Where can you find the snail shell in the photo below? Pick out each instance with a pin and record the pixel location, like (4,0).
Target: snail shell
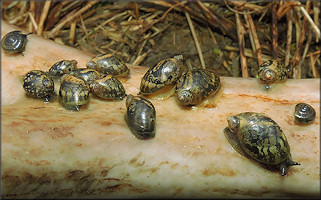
(166,72)
(194,86)
(62,67)
(89,75)
(108,64)
(140,117)
(38,84)
(14,42)
(262,139)
(304,113)
(73,92)
(108,87)
(272,71)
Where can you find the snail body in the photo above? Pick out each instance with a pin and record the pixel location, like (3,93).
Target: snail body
(262,139)
(304,113)
(73,92)
(194,86)
(108,64)
(62,67)
(89,75)
(14,42)
(108,87)
(38,84)
(272,71)
(164,73)
(140,117)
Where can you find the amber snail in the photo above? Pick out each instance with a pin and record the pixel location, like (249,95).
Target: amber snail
(14,42)
(62,67)
(194,86)
(165,72)
(304,113)
(108,64)
(140,117)
(89,75)
(272,71)
(38,84)
(108,87)
(262,139)
(73,92)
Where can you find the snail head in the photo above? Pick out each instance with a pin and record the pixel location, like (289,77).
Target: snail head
(233,123)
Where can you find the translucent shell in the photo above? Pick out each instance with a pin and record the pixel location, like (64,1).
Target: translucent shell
(14,42)
(166,72)
(108,64)
(304,113)
(62,67)
(272,71)
(262,139)
(140,117)
(196,85)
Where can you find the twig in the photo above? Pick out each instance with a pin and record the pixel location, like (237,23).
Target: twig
(315,28)
(198,47)
(313,68)
(62,24)
(72,32)
(274,32)
(289,17)
(247,52)
(33,21)
(306,48)
(316,12)
(255,38)
(240,34)
(43,17)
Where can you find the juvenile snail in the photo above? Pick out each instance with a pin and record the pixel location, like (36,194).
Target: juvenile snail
(62,67)
(73,92)
(89,75)
(140,117)
(166,72)
(108,64)
(196,85)
(108,87)
(262,139)
(272,71)
(38,84)
(304,113)
(14,42)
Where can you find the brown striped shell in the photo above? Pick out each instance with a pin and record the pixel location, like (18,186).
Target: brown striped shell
(73,92)
(89,75)
(164,73)
(62,67)
(262,139)
(196,85)
(108,87)
(108,64)
(272,71)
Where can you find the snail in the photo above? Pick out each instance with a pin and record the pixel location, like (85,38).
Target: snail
(14,42)
(73,92)
(108,87)
(272,71)
(62,67)
(38,84)
(108,64)
(89,75)
(304,113)
(262,139)
(194,86)
(164,73)
(140,117)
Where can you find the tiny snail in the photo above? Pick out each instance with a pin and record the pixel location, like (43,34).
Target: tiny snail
(14,42)
(166,72)
(89,75)
(196,85)
(140,117)
(62,67)
(73,92)
(38,84)
(272,71)
(304,113)
(108,87)
(108,64)
(262,139)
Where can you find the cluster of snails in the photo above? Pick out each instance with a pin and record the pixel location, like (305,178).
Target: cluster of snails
(257,135)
